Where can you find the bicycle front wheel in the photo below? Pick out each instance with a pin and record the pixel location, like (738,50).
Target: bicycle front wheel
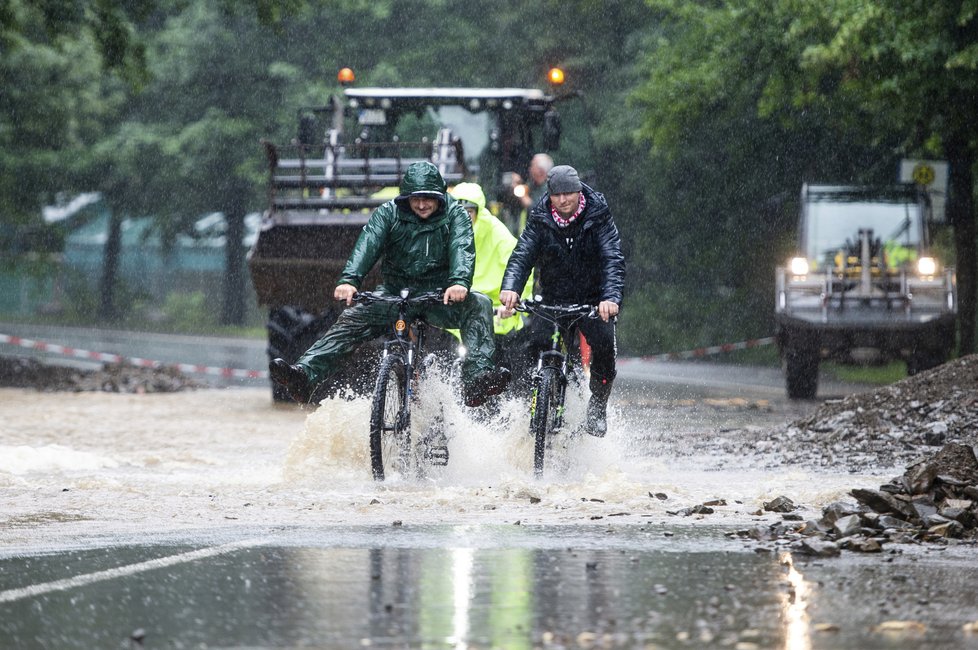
(390,420)
(544,414)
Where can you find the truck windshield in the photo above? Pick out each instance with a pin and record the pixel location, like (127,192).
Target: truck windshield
(829,224)
(472,128)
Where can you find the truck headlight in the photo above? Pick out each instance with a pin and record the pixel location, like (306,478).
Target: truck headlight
(926,266)
(798,266)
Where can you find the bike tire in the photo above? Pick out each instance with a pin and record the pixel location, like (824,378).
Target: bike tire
(390,420)
(544,414)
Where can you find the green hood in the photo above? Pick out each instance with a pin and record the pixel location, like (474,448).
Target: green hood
(424,254)
(421,179)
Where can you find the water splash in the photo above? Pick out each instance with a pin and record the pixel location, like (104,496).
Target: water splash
(654,462)
(486,445)
(24,459)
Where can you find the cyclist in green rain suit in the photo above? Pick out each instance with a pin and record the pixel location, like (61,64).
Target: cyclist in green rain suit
(424,241)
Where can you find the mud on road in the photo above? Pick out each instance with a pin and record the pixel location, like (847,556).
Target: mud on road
(228,457)
(27,372)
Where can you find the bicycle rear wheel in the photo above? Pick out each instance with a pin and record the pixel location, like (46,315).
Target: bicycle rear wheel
(390,420)
(544,414)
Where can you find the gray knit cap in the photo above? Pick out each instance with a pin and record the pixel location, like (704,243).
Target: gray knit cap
(563,179)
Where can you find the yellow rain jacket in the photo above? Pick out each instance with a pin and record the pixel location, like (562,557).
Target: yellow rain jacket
(493,245)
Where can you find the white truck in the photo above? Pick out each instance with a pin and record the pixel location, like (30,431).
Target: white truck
(864,285)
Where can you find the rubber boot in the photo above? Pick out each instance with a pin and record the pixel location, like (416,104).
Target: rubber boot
(485,386)
(293,378)
(596,418)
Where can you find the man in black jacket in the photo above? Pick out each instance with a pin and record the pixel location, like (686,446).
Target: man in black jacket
(572,239)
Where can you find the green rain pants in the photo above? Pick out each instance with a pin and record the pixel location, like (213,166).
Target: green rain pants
(473,316)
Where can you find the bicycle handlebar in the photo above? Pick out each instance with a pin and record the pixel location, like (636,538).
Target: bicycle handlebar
(427,297)
(553,313)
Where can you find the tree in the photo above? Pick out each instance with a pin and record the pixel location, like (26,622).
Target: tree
(51,110)
(204,156)
(110,25)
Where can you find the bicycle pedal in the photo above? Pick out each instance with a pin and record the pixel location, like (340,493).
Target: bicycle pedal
(437,455)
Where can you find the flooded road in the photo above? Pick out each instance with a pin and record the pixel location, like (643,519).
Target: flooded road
(216,519)
(491,587)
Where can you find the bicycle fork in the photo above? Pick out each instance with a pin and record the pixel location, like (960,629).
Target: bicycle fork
(433,443)
(552,358)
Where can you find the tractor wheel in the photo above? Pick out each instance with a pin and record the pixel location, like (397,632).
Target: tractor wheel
(290,333)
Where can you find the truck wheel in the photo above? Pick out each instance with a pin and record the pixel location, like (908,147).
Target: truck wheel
(290,333)
(801,370)
(921,360)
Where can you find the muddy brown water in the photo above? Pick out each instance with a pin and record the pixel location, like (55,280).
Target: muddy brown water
(216,519)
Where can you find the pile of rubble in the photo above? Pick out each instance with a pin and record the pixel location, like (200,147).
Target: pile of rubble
(927,423)
(935,500)
(888,427)
(22,372)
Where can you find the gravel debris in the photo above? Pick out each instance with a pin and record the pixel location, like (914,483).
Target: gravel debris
(892,426)
(25,372)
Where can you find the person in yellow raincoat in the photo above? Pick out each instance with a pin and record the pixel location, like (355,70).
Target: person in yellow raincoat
(493,245)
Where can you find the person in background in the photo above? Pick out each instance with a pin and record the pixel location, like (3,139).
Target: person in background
(493,245)
(573,242)
(531,192)
(423,240)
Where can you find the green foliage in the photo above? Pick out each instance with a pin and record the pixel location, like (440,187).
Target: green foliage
(54,104)
(81,302)
(188,312)
(111,26)
(880,375)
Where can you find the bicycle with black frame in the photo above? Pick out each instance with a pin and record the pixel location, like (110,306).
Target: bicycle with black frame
(394,446)
(548,383)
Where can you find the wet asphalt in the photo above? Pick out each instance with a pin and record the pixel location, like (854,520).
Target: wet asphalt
(491,587)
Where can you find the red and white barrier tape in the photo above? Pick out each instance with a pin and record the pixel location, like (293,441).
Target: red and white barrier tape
(53,348)
(136,361)
(698,353)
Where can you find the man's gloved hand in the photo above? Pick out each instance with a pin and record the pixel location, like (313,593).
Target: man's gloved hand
(509,300)
(501,313)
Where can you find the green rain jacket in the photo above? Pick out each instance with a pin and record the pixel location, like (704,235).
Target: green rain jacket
(423,254)
(493,245)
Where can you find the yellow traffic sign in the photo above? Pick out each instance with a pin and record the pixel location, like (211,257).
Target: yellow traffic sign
(923,174)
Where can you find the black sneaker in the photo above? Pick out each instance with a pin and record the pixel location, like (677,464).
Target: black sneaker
(293,378)
(485,386)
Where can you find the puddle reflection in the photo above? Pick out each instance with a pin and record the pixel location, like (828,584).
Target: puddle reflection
(795,603)
(420,597)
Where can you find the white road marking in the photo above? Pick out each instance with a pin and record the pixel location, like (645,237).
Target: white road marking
(119,572)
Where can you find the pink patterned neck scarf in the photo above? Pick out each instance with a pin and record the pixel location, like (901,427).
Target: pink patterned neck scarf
(563,223)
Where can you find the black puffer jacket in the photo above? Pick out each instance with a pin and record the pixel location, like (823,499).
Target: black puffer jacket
(581,263)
